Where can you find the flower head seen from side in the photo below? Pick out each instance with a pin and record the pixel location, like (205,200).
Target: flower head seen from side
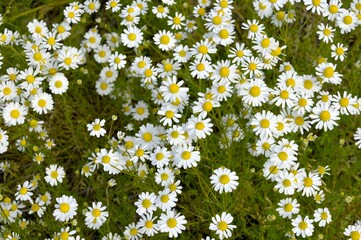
(224,180)
(222,225)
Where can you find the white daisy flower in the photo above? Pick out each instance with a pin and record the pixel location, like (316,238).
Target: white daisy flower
(65,208)
(222,225)
(224,180)
(54,174)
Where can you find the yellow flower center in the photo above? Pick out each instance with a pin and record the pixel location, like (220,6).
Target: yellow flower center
(199,126)
(224,34)
(132,36)
(173,88)
(265,42)
(347,20)
(200,67)
(54,174)
(174,134)
(106,159)
(333,9)
(171,222)
(140,110)
(265,123)
(165,39)
(217,20)
(168,67)
(344,102)
(159,156)
(224,179)
(283,156)
(96,212)
(148,224)
(328,72)
(42,103)
(147,136)
(302,102)
(186,155)
(307,182)
(7,91)
(207,106)
(64,207)
(164,198)
(176,20)
(339,51)
(133,231)
(299,121)
(221,89)
(302,225)
(146,203)
(15,114)
(325,116)
(355,235)
(222,225)
(224,72)
(288,207)
(68,61)
(286,183)
(255,91)
(252,66)
(284,94)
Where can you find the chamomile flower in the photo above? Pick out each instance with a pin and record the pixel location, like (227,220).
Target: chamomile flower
(113,5)
(166,200)
(254,28)
(224,180)
(186,157)
(42,103)
(132,37)
(7,90)
(264,124)
(96,215)
(252,66)
(14,113)
(165,40)
(338,51)
(346,21)
(224,36)
(109,160)
(286,182)
(202,49)
(160,11)
(24,192)
(176,135)
(221,224)
(91,6)
(132,232)
(54,174)
(309,184)
(170,115)
(303,104)
(117,60)
(331,9)
(238,53)
(322,216)
(182,54)
(38,208)
(283,96)
(176,22)
(324,116)
(327,72)
(199,126)
(314,6)
(288,207)
(147,225)
(58,84)
(96,129)
(303,227)
(224,70)
(353,231)
(65,208)
(72,15)
(201,69)
(172,223)
(145,203)
(172,90)
(325,33)
(344,103)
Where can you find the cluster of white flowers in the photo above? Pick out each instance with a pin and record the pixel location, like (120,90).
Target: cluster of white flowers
(184,113)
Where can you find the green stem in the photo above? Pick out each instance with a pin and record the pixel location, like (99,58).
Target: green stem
(38,8)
